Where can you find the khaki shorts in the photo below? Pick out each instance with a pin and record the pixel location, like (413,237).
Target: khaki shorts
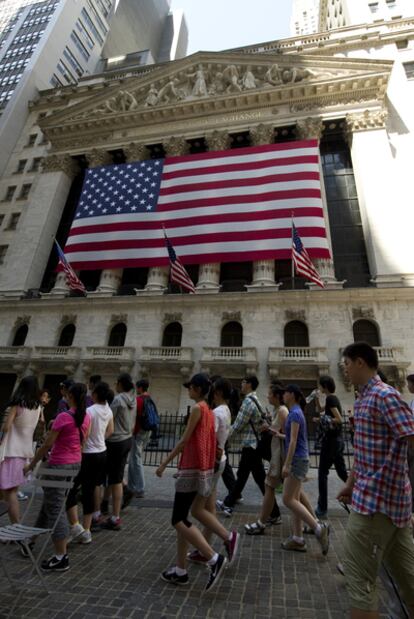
(370,541)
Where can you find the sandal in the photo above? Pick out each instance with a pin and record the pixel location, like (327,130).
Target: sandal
(254,529)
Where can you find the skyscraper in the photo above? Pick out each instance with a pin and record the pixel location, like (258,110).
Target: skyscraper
(305,17)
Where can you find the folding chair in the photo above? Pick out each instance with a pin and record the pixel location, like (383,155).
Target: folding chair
(46,478)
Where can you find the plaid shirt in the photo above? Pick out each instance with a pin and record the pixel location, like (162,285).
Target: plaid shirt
(382,421)
(248,411)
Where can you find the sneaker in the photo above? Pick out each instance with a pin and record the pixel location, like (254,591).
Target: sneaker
(127,498)
(104,507)
(308,530)
(320,514)
(21,496)
(323,538)
(291,544)
(216,571)
(223,509)
(273,521)
(240,501)
(96,523)
(140,495)
(196,557)
(56,565)
(111,525)
(84,538)
(171,575)
(254,529)
(232,546)
(75,531)
(23,548)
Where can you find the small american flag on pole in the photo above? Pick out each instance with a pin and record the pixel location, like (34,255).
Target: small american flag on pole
(303,264)
(178,274)
(72,280)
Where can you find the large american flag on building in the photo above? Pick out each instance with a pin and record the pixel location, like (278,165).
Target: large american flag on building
(221,206)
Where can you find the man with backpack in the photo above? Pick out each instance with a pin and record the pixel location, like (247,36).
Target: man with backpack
(146,421)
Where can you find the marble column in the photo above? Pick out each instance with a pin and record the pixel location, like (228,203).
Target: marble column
(176,146)
(308,129)
(157,282)
(218,140)
(136,152)
(263,270)
(98,157)
(209,278)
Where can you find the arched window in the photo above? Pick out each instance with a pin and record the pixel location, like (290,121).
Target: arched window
(20,336)
(172,335)
(118,335)
(366,331)
(296,334)
(67,335)
(232,334)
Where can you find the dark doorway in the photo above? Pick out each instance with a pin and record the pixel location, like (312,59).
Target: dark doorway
(20,336)
(231,334)
(7,382)
(52,382)
(172,335)
(67,335)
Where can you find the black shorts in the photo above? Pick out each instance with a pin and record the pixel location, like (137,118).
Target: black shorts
(91,474)
(116,459)
(182,505)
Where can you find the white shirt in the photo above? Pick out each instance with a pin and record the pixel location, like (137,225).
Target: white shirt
(100,416)
(222,423)
(412,405)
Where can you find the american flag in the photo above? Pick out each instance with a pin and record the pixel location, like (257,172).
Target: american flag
(220,206)
(72,280)
(178,274)
(303,263)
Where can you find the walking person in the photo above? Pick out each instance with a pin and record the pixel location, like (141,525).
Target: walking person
(63,404)
(93,466)
(140,437)
(16,443)
(124,408)
(92,382)
(64,444)
(248,422)
(378,487)
(332,442)
(193,487)
(294,472)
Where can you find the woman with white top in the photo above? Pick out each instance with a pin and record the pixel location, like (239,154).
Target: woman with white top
(16,442)
(93,467)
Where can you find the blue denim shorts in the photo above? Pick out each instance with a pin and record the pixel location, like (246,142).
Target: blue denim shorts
(299,468)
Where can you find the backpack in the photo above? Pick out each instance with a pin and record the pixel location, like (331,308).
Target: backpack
(150,419)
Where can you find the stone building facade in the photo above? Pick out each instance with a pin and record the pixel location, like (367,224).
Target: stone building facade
(350,89)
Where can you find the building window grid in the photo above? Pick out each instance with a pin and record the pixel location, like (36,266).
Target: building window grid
(99,21)
(35,167)
(80,46)
(10,191)
(62,68)
(24,191)
(85,34)
(73,62)
(92,26)
(13,221)
(3,251)
(20,166)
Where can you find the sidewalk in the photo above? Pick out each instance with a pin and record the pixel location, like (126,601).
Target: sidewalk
(118,574)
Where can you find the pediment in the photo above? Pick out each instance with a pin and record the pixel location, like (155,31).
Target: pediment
(208,80)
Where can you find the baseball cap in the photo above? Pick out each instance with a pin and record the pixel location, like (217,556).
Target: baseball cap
(67,383)
(199,380)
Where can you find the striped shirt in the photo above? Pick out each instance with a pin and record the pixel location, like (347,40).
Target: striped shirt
(248,411)
(382,422)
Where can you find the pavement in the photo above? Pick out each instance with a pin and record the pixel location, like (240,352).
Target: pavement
(118,574)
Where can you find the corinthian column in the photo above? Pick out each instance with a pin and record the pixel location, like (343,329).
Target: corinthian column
(175,146)
(209,278)
(157,282)
(312,129)
(97,157)
(136,152)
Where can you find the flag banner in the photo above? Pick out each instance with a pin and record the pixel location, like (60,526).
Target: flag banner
(72,280)
(178,274)
(222,206)
(301,259)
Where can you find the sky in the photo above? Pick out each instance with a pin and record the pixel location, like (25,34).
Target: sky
(222,24)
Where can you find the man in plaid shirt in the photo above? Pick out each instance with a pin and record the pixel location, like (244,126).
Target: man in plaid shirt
(378,488)
(250,460)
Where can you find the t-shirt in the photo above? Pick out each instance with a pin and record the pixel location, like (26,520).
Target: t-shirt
(222,423)
(100,415)
(67,447)
(335,429)
(296,415)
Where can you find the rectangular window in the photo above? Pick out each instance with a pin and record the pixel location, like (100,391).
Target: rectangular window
(67,75)
(55,81)
(36,164)
(373,7)
(9,193)
(91,25)
(80,46)
(3,251)
(1,220)
(13,221)
(73,62)
(409,70)
(85,34)
(20,166)
(32,139)
(24,191)
(391,4)
(96,15)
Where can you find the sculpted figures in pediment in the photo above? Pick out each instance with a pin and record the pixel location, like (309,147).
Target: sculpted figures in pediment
(200,82)
(231,78)
(170,92)
(248,80)
(123,101)
(152,97)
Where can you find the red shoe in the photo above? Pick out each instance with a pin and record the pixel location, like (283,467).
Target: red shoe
(196,557)
(111,525)
(232,546)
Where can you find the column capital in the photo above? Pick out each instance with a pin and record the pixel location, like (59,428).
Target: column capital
(326,270)
(218,140)
(263,277)
(262,134)
(136,152)
(60,163)
(309,128)
(174,146)
(209,278)
(366,121)
(97,157)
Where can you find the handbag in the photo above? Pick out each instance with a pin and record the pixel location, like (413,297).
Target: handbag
(264,442)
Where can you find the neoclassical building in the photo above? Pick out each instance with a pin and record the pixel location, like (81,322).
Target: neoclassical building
(351,89)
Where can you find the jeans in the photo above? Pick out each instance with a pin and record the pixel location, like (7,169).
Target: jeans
(250,462)
(332,453)
(136,481)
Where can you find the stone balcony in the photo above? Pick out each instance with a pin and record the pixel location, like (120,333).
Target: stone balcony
(392,363)
(115,358)
(229,358)
(303,362)
(15,358)
(161,358)
(65,358)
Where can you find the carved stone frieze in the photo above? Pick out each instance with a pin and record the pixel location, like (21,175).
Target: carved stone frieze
(178,317)
(21,320)
(231,316)
(117,318)
(309,128)
(60,163)
(366,121)
(359,313)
